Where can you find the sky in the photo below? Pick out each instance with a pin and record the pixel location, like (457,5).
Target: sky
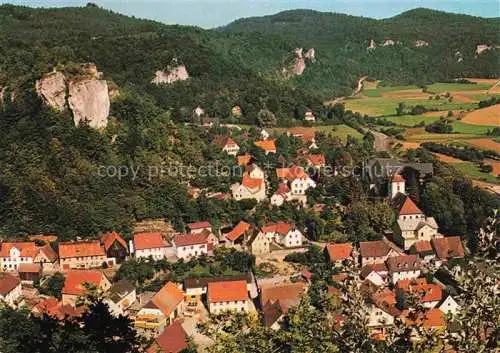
(214,13)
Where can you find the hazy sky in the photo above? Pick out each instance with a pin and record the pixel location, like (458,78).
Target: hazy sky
(213,13)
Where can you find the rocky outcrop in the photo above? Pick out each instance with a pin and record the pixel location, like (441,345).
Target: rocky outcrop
(311,55)
(459,56)
(173,74)
(481,48)
(52,89)
(372,45)
(421,43)
(388,42)
(89,100)
(299,64)
(86,95)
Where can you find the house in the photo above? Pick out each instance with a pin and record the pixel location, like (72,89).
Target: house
(150,244)
(339,252)
(173,339)
(83,254)
(264,135)
(403,267)
(374,274)
(431,319)
(375,252)
(267,145)
(76,283)
(297,180)
(429,294)
(29,273)
(14,254)
(188,245)
(412,225)
(122,295)
(198,111)
(448,305)
(275,301)
(10,289)
(55,308)
(115,246)
(227,145)
(424,250)
(196,287)
(285,234)
(228,295)
(236,111)
(447,248)
(306,134)
(316,160)
(47,258)
(244,159)
(239,234)
(161,310)
(281,195)
(381,311)
(199,227)
(259,244)
(396,185)
(252,185)
(208,122)
(309,116)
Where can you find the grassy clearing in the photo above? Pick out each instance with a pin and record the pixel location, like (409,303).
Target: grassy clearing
(341,131)
(472,170)
(463,128)
(377,92)
(457,87)
(412,120)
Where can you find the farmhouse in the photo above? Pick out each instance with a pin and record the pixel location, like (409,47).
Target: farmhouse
(115,246)
(10,289)
(14,254)
(227,295)
(376,252)
(403,267)
(47,258)
(447,248)
(191,244)
(297,180)
(83,255)
(76,283)
(285,234)
(173,339)
(277,300)
(339,252)
(227,145)
(252,185)
(150,244)
(267,145)
(239,234)
(428,294)
(122,295)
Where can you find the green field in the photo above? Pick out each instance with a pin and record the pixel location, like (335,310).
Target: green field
(457,87)
(412,120)
(463,128)
(341,131)
(377,92)
(472,170)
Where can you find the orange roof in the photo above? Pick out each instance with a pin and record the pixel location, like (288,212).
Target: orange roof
(427,292)
(409,207)
(385,296)
(266,145)
(48,238)
(187,239)
(434,318)
(168,298)
(173,339)
(244,159)
(7,283)
(199,225)
(288,295)
(296,172)
(282,189)
(317,159)
(338,252)
(397,178)
(81,249)
(448,247)
(303,132)
(251,183)
(29,268)
(238,231)
(75,280)
(55,308)
(27,249)
(422,246)
(49,253)
(227,291)
(148,241)
(109,238)
(281,172)
(279,227)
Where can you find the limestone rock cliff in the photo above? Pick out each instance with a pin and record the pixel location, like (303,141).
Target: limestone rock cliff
(52,89)
(89,99)
(173,74)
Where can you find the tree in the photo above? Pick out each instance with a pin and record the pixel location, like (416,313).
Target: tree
(53,285)
(400,109)
(265,118)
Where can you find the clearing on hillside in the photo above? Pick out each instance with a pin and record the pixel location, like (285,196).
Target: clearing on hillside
(487,116)
(495,165)
(447,159)
(485,143)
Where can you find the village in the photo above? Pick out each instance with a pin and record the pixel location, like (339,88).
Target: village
(411,258)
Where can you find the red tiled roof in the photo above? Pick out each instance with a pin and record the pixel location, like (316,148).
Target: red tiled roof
(244,159)
(338,252)
(7,283)
(75,280)
(409,208)
(238,231)
(397,178)
(81,249)
(422,246)
(266,145)
(199,225)
(109,238)
(287,294)
(317,159)
(251,183)
(168,298)
(377,248)
(223,141)
(281,173)
(448,247)
(55,308)
(403,263)
(227,291)
(282,189)
(148,241)
(427,292)
(281,228)
(187,239)
(434,318)
(29,268)
(296,172)
(173,339)
(49,253)
(304,132)
(379,268)
(27,249)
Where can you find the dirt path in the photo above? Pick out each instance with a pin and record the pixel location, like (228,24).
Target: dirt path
(360,86)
